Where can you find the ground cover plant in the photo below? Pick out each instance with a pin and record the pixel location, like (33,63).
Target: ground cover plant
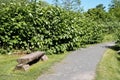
(108,68)
(8,63)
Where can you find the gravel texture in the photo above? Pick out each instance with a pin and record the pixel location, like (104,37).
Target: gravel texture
(78,65)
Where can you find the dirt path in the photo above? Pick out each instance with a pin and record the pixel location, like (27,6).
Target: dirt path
(79,65)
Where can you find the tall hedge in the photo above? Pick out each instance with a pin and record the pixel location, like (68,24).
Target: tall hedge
(49,28)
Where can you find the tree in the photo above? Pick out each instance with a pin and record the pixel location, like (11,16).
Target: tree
(56,2)
(68,4)
(97,13)
(115,4)
(114,9)
(100,6)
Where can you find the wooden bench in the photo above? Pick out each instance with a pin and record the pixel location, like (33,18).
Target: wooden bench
(27,60)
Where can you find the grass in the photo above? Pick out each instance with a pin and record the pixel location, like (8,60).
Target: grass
(109,67)
(8,63)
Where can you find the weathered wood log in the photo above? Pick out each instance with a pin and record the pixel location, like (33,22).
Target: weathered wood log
(30,57)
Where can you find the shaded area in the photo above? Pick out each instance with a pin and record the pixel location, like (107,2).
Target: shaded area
(34,61)
(113,46)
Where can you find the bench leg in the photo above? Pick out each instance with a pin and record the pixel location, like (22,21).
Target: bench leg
(22,67)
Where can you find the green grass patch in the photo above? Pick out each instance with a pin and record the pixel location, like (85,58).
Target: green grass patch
(109,67)
(8,63)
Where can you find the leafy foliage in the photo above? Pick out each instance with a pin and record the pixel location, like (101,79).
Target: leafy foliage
(115,13)
(46,28)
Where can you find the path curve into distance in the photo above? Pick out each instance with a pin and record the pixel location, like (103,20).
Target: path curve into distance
(78,65)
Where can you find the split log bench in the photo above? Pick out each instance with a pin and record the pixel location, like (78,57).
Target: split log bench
(27,60)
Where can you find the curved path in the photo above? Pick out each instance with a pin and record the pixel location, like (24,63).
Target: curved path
(79,65)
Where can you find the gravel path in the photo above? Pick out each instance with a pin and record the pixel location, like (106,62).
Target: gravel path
(79,65)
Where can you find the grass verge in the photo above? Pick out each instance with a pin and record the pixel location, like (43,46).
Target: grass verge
(108,68)
(8,63)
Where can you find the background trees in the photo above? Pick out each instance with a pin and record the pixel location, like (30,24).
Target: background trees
(114,9)
(69,4)
(97,13)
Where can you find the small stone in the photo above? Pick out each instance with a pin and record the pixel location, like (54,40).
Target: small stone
(44,58)
(18,67)
(25,67)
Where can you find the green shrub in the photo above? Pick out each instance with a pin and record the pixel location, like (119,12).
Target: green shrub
(118,34)
(49,28)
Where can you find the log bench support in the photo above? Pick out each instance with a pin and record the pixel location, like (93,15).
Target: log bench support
(27,60)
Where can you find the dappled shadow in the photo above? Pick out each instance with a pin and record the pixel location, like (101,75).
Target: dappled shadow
(114,47)
(34,61)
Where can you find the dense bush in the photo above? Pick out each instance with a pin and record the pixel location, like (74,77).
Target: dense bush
(117,33)
(49,28)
